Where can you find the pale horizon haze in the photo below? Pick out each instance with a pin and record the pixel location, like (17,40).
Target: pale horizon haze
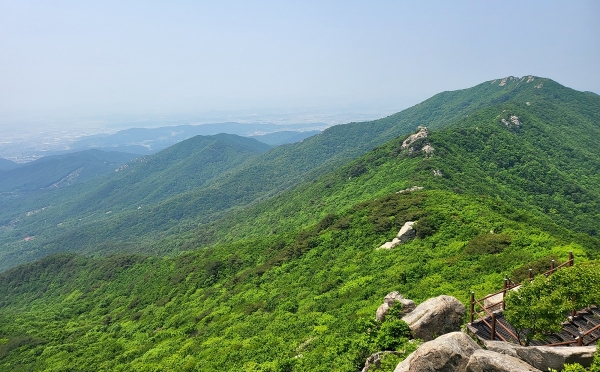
(97,59)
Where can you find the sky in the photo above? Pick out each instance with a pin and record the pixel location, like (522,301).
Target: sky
(93,58)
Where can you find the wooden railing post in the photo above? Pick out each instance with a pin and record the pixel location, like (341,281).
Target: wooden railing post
(472,305)
(580,339)
(530,275)
(504,292)
(552,267)
(571,259)
(493,335)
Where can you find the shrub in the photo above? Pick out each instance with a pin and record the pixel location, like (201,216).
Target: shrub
(537,267)
(392,333)
(488,244)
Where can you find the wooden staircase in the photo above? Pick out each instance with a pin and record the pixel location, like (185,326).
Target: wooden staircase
(488,323)
(580,330)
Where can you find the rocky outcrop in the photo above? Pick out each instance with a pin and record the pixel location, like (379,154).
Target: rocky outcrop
(374,360)
(407,232)
(393,299)
(490,361)
(544,357)
(428,149)
(410,189)
(422,133)
(447,353)
(436,316)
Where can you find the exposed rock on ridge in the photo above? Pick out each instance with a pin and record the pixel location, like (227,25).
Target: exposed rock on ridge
(489,361)
(406,233)
(436,316)
(422,133)
(544,357)
(447,353)
(389,301)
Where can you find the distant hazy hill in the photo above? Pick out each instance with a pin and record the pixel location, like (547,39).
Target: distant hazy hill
(6,164)
(281,138)
(292,282)
(151,140)
(61,170)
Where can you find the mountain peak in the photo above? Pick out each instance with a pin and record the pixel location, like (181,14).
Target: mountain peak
(513,79)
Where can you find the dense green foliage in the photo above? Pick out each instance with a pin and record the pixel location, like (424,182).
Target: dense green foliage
(539,307)
(284,274)
(260,303)
(118,199)
(558,122)
(60,170)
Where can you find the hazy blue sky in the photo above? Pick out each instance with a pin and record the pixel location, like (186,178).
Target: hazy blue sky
(129,57)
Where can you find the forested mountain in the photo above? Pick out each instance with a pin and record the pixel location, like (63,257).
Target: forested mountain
(509,180)
(85,225)
(129,187)
(61,170)
(284,137)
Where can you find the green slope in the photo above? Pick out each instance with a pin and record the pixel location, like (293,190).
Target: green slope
(61,170)
(86,224)
(292,283)
(261,303)
(130,187)
(549,162)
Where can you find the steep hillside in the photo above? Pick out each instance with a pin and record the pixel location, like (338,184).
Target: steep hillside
(292,283)
(284,137)
(263,177)
(304,300)
(546,159)
(130,187)
(61,170)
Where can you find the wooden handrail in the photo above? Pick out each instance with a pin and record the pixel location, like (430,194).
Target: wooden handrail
(590,331)
(483,319)
(564,343)
(509,284)
(489,325)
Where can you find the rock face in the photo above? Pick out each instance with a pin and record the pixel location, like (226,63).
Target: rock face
(436,316)
(406,233)
(490,361)
(544,357)
(422,133)
(447,353)
(390,300)
(410,189)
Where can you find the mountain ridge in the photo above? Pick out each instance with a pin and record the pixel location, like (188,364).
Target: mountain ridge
(287,166)
(292,282)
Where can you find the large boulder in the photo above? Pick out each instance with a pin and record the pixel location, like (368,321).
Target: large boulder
(447,353)
(544,357)
(436,316)
(406,233)
(393,299)
(490,361)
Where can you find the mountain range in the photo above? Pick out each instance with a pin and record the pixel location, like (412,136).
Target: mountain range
(222,253)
